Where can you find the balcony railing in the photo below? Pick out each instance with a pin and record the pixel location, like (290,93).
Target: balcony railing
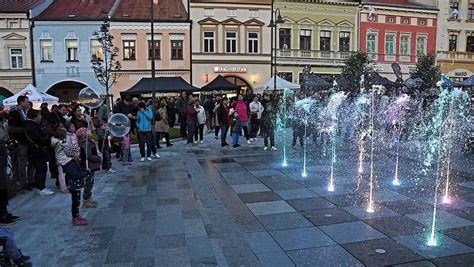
(455,55)
(319,54)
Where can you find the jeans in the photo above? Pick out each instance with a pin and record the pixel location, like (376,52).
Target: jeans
(224,130)
(216,130)
(246,130)
(40,170)
(20,161)
(255,127)
(199,131)
(88,185)
(145,137)
(10,249)
(271,137)
(191,128)
(75,202)
(235,138)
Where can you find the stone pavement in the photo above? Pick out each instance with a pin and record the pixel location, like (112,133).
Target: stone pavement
(206,205)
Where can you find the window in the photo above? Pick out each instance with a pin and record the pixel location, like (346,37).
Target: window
(422,22)
(16,56)
(129,50)
(389,44)
(421,45)
(325,40)
(231,42)
(305,39)
(454,9)
(46,50)
(253,42)
(288,76)
(470,44)
(96,51)
(453,42)
(177,49)
(13,24)
(470,11)
(156,47)
(209,42)
(253,13)
(208,12)
(285,38)
(390,20)
(231,12)
(405,21)
(371,43)
(344,41)
(404,45)
(71,50)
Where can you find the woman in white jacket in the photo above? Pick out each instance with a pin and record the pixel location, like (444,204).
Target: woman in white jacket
(201,117)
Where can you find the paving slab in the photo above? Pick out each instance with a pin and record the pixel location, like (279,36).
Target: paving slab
(445,246)
(282,221)
(270,207)
(351,232)
(323,256)
(301,238)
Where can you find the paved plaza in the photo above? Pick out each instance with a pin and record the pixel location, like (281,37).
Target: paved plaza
(206,205)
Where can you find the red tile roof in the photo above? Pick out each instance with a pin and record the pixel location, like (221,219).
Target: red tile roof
(18,6)
(77,10)
(397,3)
(139,10)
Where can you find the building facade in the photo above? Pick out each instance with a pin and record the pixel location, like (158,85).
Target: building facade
(320,34)
(231,39)
(131,29)
(64,46)
(455,42)
(15,44)
(397,32)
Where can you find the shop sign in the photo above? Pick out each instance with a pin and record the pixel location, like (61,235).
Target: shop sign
(230,69)
(461,73)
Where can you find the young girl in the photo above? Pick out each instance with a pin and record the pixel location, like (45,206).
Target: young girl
(268,127)
(236,129)
(57,142)
(75,176)
(91,161)
(125,149)
(71,137)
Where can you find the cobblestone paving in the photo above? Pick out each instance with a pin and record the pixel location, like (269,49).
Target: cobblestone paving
(206,205)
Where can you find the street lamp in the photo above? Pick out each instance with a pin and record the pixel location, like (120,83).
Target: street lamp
(274,25)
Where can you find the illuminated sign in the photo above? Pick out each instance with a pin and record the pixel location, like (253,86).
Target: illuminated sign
(230,69)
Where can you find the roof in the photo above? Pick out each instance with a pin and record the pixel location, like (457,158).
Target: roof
(398,3)
(18,6)
(162,85)
(81,10)
(139,10)
(220,83)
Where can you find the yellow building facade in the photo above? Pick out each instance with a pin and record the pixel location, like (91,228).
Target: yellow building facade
(315,33)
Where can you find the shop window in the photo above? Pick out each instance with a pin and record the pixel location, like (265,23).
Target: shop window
(16,58)
(177,49)
(305,39)
(156,48)
(129,50)
(71,50)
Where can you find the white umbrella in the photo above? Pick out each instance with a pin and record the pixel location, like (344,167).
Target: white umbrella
(34,95)
(281,84)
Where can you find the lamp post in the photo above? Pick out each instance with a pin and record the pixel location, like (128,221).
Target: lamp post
(276,19)
(152,25)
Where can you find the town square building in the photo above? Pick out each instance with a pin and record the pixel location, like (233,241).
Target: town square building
(397,32)
(231,39)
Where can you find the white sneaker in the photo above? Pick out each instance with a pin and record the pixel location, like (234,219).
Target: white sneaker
(274,148)
(195,142)
(202,142)
(163,140)
(248,142)
(149,159)
(111,171)
(46,192)
(265,148)
(142,159)
(156,155)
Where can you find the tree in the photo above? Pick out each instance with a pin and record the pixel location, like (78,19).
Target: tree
(427,70)
(356,65)
(106,68)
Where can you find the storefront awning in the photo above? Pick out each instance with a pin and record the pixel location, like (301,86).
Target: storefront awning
(281,84)
(220,84)
(468,82)
(162,85)
(445,82)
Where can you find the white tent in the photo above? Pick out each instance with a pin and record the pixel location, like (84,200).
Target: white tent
(35,95)
(280,85)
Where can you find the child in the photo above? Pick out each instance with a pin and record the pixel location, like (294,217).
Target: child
(125,149)
(71,137)
(297,125)
(268,127)
(57,142)
(75,176)
(105,147)
(236,129)
(90,161)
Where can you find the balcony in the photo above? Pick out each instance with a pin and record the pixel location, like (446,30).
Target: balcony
(453,56)
(305,56)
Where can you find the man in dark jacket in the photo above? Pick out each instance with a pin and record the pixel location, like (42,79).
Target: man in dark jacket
(181,108)
(16,131)
(223,120)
